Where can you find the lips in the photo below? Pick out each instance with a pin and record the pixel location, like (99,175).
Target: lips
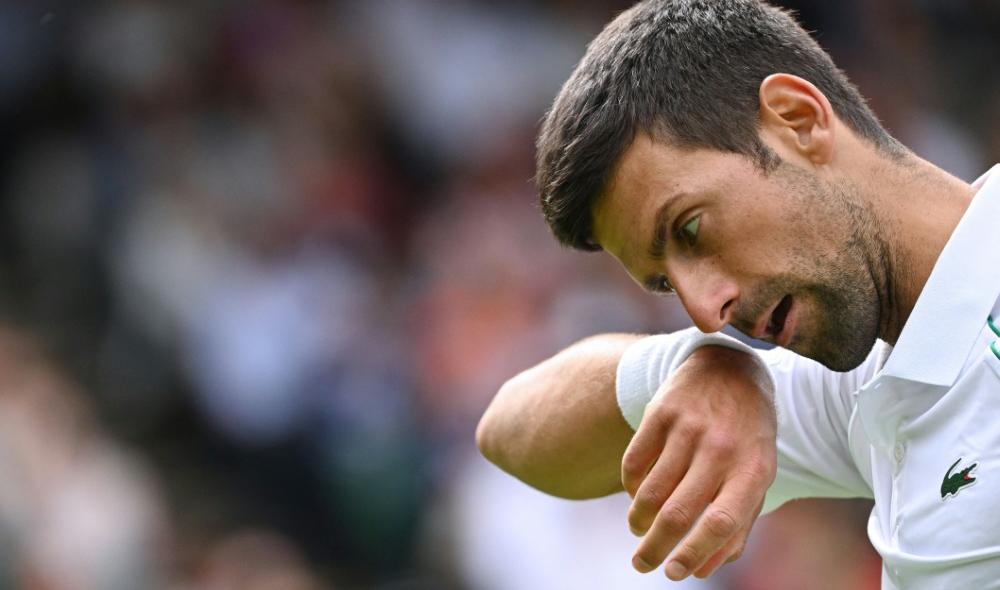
(776,325)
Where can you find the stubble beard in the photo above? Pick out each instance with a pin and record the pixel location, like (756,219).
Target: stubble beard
(842,285)
(846,326)
(836,325)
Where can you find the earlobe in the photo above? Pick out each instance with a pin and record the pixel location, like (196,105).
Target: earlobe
(798,115)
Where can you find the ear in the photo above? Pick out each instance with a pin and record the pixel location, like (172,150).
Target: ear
(795,114)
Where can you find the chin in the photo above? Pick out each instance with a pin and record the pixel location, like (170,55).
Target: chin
(842,365)
(841,359)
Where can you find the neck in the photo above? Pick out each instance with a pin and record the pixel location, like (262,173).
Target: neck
(919,205)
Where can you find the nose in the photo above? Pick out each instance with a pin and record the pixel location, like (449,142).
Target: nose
(708,296)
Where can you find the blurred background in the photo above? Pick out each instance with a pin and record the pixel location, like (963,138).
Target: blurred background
(263,264)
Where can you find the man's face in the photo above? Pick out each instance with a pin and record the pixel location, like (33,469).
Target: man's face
(781,256)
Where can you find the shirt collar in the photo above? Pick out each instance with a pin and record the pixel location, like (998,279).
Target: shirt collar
(959,294)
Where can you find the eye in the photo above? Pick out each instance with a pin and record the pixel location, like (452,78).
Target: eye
(663,285)
(689,231)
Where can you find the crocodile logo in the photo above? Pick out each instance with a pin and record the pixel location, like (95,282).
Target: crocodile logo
(953,482)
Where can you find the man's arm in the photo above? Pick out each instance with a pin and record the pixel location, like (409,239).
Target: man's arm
(704,448)
(705,443)
(557,426)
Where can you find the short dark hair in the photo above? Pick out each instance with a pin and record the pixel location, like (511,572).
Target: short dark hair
(687,72)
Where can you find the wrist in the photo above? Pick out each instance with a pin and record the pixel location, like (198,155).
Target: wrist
(725,361)
(648,363)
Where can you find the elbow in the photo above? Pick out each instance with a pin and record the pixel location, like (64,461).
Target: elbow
(485,437)
(513,438)
(502,434)
(490,438)
(505,442)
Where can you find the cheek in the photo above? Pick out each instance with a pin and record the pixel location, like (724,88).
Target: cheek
(747,249)
(760,233)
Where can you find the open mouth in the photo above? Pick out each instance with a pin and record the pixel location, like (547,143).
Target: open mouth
(777,323)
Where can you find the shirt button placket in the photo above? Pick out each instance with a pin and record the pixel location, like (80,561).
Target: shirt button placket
(898,455)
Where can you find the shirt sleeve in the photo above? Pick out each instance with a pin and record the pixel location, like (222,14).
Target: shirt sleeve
(814,406)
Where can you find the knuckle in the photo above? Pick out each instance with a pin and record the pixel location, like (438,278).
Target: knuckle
(720,523)
(649,498)
(768,466)
(636,524)
(761,479)
(676,518)
(765,456)
(632,464)
(760,471)
(721,443)
(688,429)
(636,527)
(665,413)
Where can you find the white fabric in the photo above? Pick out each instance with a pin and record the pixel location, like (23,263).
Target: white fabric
(891,434)
(647,363)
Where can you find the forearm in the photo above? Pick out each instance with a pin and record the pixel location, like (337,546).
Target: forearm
(697,468)
(557,426)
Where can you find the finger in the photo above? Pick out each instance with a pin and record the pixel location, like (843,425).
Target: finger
(729,552)
(677,515)
(732,510)
(643,451)
(659,483)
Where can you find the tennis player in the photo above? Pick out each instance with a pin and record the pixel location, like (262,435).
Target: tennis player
(715,150)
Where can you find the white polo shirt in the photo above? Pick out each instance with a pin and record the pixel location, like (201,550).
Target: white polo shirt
(916,427)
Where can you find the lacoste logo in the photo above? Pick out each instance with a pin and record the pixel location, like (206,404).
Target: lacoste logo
(953,482)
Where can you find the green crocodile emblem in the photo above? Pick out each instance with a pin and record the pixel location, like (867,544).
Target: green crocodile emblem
(953,482)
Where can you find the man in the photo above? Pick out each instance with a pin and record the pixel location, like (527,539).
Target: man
(716,151)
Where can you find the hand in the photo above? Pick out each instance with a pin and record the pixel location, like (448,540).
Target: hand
(700,463)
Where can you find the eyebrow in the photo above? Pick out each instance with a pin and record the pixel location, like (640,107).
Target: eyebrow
(658,246)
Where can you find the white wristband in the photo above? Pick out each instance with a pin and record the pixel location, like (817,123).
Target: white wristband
(647,363)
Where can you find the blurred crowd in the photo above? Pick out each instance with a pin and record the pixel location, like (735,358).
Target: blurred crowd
(264,263)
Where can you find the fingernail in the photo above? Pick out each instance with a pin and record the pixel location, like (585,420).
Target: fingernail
(636,531)
(640,565)
(676,571)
